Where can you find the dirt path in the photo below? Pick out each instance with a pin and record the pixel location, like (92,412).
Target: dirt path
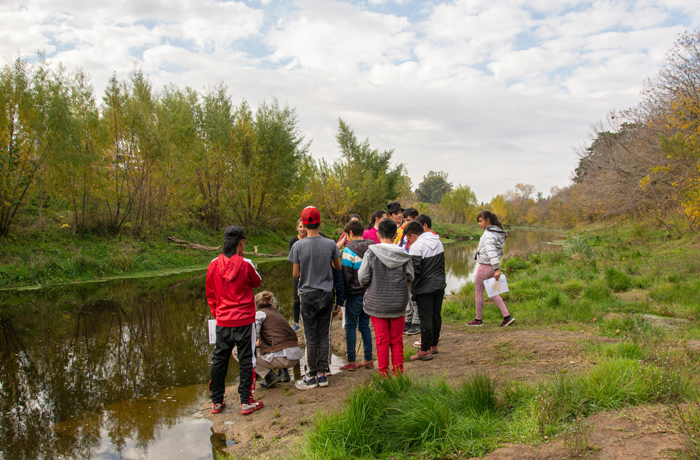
(511,353)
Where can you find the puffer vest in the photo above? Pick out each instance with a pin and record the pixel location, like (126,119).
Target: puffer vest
(276,334)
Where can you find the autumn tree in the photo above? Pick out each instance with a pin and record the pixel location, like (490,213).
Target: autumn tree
(459,205)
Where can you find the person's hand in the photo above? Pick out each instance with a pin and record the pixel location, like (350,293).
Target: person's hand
(341,240)
(336,312)
(497,273)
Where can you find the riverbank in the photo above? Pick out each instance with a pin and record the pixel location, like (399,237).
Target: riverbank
(40,257)
(50,257)
(602,361)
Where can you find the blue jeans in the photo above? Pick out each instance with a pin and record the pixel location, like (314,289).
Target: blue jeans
(356,318)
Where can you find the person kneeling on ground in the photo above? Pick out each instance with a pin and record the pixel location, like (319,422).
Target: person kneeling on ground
(277,346)
(230,283)
(386,271)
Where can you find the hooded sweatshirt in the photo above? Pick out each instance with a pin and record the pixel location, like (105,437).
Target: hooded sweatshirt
(385,271)
(428,257)
(490,247)
(352,259)
(230,284)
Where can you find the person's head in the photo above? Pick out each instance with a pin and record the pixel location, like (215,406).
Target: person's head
(413,230)
(410,213)
(234,240)
(301,230)
(265,299)
(387,230)
(486,218)
(395,212)
(377,216)
(356,217)
(426,221)
(311,218)
(354,230)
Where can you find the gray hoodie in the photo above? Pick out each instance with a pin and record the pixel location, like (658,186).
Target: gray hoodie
(386,270)
(490,247)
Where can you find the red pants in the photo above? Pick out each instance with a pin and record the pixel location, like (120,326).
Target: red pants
(388,333)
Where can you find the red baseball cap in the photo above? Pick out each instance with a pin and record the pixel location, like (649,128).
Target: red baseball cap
(310,215)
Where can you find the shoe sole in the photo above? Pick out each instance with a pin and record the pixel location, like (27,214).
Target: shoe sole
(475,325)
(512,320)
(214,411)
(413,333)
(323,384)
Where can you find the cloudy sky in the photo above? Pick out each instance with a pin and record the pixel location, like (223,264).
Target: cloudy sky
(494,92)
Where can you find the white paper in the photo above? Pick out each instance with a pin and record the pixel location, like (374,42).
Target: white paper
(494,287)
(212,331)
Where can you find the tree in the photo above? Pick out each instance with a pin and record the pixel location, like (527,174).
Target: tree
(34,108)
(433,187)
(459,205)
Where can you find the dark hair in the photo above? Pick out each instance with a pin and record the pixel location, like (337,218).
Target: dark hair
(375,215)
(357,216)
(311,226)
(413,228)
(355,227)
(412,212)
(491,217)
(232,236)
(425,219)
(387,229)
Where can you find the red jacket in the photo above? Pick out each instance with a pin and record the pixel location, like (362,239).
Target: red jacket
(230,284)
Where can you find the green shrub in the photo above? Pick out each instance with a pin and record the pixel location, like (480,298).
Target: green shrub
(514,264)
(577,247)
(618,281)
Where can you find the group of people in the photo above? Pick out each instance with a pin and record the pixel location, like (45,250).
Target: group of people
(391,274)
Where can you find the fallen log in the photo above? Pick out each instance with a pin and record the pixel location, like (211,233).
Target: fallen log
(199,247)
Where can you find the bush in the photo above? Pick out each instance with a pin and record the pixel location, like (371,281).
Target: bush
(577,247)
(514,264)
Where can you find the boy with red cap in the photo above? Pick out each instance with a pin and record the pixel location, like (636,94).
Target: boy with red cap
(310,258)
(230,283)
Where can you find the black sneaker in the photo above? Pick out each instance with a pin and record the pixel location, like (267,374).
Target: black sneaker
(413,330)
(306,383)
(406,328)
(507,321)
(284,375)
(270,379)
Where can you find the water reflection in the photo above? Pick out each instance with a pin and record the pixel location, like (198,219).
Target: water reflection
(88,370)
(119,369)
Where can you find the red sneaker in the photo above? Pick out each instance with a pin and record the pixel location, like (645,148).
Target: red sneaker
(349,367)
(251,407)
(217,408)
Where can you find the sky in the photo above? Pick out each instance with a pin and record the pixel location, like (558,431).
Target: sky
(493,92)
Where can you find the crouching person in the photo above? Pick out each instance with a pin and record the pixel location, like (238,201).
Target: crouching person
(230,283)
(277,345)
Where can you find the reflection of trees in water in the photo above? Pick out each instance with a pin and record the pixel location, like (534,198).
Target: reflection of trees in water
(459,258)
(67,354)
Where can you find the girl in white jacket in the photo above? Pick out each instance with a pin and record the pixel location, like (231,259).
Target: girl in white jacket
(488,256)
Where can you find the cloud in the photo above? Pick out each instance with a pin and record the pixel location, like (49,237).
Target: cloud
(493,91)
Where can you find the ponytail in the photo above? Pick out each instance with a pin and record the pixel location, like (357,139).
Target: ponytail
(375,215)
(491,218)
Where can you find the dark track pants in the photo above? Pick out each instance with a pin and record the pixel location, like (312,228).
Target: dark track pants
(317,314)
(430,314)
(243,338)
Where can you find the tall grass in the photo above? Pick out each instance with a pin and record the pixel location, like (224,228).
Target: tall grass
(399,415)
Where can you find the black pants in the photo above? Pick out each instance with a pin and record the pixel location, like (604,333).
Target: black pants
(317,313)
(296,305)
(430,314)
(226,338)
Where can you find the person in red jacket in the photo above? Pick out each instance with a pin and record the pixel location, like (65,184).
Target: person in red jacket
(230,283)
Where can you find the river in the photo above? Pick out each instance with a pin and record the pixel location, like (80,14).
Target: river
(119,369)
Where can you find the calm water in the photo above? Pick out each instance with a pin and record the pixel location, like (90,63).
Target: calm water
(119,369)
